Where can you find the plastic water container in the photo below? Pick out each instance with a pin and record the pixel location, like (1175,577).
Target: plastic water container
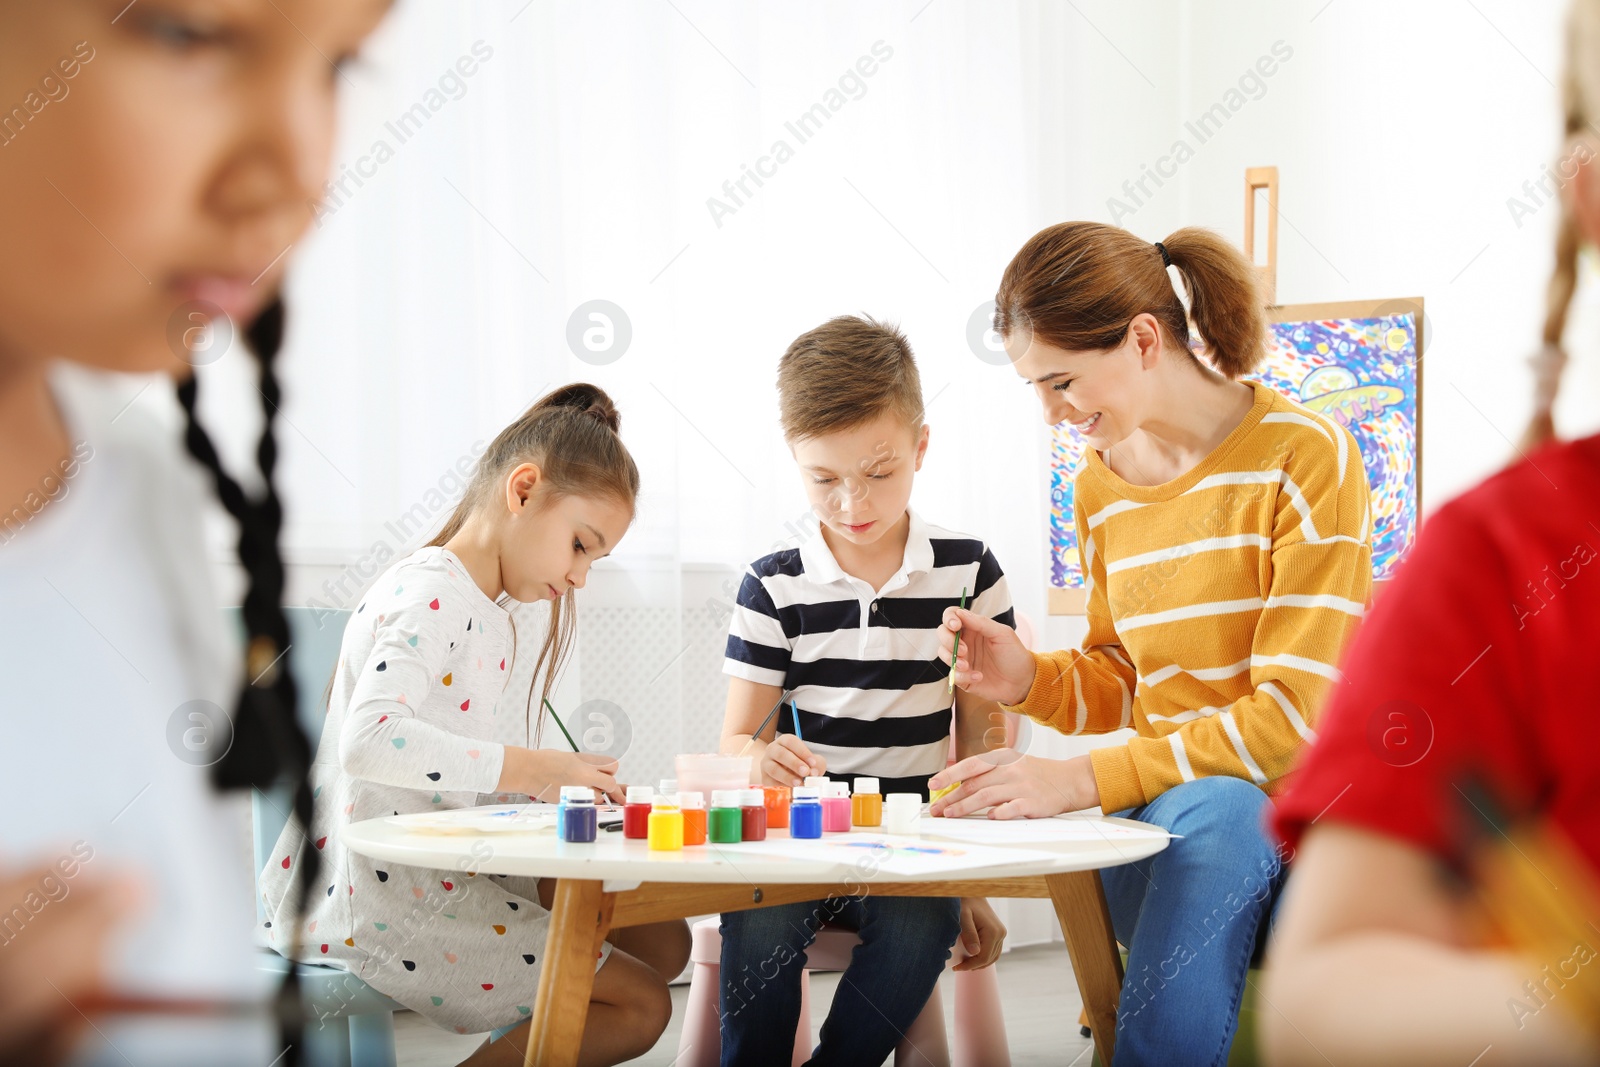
(707,772)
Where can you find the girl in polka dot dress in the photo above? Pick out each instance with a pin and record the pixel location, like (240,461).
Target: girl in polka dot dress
(422,670)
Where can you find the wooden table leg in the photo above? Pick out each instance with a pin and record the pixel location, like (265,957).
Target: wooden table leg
(1086,921)
(566,980)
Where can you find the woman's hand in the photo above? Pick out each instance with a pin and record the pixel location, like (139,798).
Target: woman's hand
(992,662)
(787,761)
(1016,786)
(982,934)
(541,772)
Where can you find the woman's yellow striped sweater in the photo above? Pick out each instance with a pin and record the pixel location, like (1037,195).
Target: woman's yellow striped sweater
(1218,606)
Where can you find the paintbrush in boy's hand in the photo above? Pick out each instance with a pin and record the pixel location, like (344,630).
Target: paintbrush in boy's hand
(763,726)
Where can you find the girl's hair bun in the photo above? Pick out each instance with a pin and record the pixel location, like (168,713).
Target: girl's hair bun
(582,397)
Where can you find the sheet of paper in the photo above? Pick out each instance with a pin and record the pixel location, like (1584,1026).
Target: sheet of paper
(1033,831)
(886,855)
(496,819)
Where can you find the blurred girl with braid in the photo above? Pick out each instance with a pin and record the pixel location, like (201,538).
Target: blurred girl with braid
(421,673)
(1445,907)
(1224,534)
(138,216)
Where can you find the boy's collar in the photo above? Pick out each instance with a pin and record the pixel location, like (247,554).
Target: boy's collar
(822,568)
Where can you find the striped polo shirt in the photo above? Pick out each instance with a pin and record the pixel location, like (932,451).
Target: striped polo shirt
(863,665)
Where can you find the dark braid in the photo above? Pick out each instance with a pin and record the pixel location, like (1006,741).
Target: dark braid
(268,745)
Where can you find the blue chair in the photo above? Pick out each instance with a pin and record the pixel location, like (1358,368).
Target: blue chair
(350,1024)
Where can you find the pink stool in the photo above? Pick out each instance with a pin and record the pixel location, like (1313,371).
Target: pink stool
(980,1030)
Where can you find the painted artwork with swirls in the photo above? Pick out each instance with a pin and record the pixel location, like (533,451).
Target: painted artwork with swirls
(1359,371)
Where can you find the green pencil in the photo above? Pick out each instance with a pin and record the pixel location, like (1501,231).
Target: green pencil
(564,733)
(950,686)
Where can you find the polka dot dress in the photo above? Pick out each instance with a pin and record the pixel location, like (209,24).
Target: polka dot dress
(424,662)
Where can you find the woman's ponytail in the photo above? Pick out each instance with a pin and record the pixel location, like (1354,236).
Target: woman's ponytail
(1225,301)
(1077,285)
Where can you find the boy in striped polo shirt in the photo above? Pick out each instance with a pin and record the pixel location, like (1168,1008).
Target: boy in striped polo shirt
(846,624)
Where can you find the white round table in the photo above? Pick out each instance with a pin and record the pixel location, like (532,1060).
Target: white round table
(616,882)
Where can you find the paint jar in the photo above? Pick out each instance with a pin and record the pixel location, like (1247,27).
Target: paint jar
(694,817)
(666,825)
(725,820)
(805,814)
(576,814)
(836,808)
(900,812)
(753,815)
(705,773)
(636,812)
(866,807)
(777,799)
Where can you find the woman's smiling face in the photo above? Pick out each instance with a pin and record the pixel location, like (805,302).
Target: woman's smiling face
(176,163)
(1102,394)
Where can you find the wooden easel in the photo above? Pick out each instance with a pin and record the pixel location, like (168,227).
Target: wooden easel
(1262,178)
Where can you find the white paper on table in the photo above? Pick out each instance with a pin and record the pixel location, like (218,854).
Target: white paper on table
(980,830)
(887,854)
(495,819)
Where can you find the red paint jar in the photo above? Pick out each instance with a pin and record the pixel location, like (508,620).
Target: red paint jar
(636,812)
(753,815)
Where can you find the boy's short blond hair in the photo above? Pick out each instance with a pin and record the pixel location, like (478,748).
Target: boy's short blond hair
(846,372)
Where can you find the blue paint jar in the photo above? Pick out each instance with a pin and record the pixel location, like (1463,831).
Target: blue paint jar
(805,813)
(577,816)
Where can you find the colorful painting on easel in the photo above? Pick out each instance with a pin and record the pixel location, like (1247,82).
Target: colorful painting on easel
(1356,364)
(1066,454)
(1361,371)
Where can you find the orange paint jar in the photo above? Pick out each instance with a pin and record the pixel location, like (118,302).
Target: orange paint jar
(776,800)
(694,818)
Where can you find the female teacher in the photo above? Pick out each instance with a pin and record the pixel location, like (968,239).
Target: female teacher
(1224,536)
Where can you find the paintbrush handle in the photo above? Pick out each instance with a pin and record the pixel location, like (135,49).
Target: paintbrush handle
(950,685)
(561,725)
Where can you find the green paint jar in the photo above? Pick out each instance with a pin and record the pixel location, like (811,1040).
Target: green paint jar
(724,820)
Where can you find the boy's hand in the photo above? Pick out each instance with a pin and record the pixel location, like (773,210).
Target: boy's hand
(982,934)
(787,761)
(992,662)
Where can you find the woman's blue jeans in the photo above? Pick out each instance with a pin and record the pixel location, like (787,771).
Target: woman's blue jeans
(905,942)
(1193,918)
